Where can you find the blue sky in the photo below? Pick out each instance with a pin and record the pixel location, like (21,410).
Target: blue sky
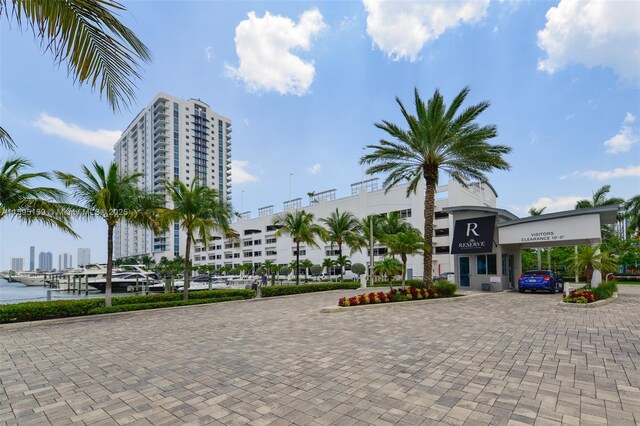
(303,83)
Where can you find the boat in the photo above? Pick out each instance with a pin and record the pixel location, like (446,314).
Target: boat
(200,282)
(126,278)
(29,278)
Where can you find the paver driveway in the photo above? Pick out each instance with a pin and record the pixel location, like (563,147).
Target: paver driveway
(507,358)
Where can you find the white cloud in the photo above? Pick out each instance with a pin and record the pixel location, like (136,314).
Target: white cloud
(208,53)
(102,139)
(629,118)
(593,33)
(625,138)
(551,204)
(618,172)
(315,169)
(402,28)
(264,48)
(239,172)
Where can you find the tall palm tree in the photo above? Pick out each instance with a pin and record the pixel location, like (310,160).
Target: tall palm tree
(393,223)
(299,225)
(200,212)
(20,200)
(404,244)
(632,207)
(537,212)
(114,197)
(438,138)
(343,229)
(86,35)
(598,199)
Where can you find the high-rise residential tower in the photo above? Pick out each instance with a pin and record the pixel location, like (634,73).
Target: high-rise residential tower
(17,264)
(169,139)
(84,256)
(45,261)
(32,258)
(65,261)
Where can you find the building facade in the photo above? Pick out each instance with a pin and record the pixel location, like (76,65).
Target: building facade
(84,256)
(169,139)
(45,261)
(32,258)
(17,264)
(65,261)
(257,242)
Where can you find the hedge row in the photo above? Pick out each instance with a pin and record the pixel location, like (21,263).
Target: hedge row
(35,311)
(156,305)
(169,297)
(283,290)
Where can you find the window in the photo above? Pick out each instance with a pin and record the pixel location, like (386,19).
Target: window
(441,250)
(271,240)
(271,252)
(442,232)
(486,264)
(257,242)
(441,215)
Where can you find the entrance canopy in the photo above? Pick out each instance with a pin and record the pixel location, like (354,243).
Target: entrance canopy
(567,228)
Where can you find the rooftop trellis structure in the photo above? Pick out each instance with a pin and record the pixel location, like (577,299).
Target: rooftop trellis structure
(316,197)
(368,185)
(265,211)
(296,203)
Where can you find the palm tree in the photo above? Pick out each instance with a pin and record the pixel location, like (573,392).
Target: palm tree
(97,48)
(343,229)
(600,198)
(20,200)
(200,212)
(632,207)
(271,268)
(114,197)
(343,262)
(438,138)
(388,266)
(404,244)
(300,227)
(306,264)
(537,212)
(591,258)
(393,223)
(328,263)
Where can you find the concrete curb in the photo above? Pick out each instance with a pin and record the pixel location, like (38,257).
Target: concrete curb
(334,309)
(590,305)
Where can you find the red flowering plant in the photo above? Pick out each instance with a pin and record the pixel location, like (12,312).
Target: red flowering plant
(580,296)
(411,293)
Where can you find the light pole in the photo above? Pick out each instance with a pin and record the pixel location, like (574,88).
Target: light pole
(290,175)
(371,251)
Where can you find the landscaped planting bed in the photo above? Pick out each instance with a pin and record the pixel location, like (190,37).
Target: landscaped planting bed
(439,290)
(582,296)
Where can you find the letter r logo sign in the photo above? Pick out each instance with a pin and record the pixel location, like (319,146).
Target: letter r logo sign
(471,227)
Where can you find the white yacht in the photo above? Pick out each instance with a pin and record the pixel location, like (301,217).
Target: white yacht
(29,278)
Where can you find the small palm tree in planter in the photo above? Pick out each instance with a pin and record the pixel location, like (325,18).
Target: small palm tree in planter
(328,263)
(306,264)
(404,244)
(389,267)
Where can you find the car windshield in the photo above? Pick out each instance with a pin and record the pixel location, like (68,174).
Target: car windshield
(537,273)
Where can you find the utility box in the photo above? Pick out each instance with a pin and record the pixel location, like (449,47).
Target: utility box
(486,286)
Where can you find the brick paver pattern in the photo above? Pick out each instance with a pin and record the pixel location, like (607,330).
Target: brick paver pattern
(507,358)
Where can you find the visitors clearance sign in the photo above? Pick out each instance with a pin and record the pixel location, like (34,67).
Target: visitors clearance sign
(473,235)
(565,231)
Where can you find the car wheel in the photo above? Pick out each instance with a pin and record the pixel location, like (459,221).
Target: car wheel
(552,290)
(533,290)
(521,290)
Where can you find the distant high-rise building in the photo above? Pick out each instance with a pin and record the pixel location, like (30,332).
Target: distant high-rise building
(65,261)
(169,139)
(45,261)
(84,256)
(32,258)
(17,264)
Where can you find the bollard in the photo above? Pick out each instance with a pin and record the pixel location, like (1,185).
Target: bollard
(137,283)
(48,295)
(68,283)
(86,285)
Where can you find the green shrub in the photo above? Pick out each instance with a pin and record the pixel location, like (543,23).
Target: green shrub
(602,293)
(399,297)
(156,305)
(282,290)
(444,288)
(34,311)
(610,286)
(169,297)
(358,268)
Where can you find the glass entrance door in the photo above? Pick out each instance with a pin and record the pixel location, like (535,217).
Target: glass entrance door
(463,268)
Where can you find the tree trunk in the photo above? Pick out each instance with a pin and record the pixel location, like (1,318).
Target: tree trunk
(539,254)
(297,263)
(187,273)
(107,287)
(340,257)
(404,268)
(429,207)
